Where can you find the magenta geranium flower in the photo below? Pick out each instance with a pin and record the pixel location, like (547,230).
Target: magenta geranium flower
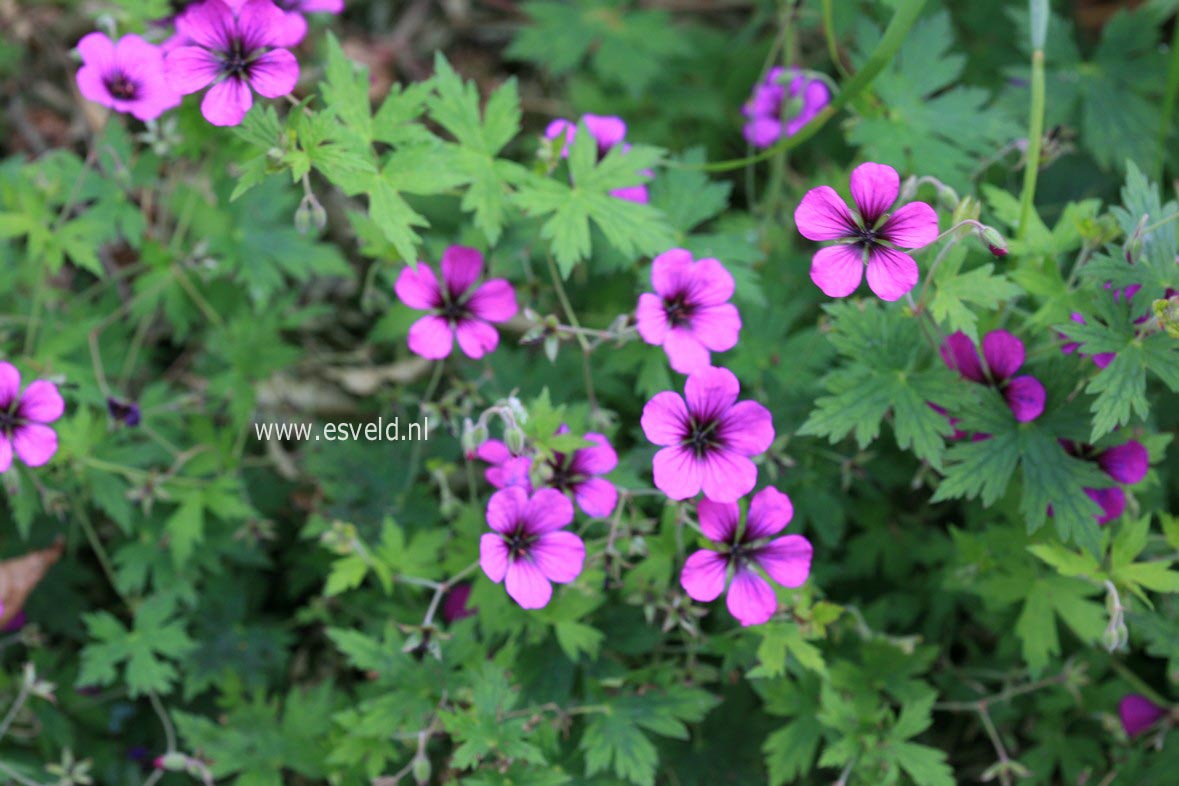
(127,76)
(708,438)
(690,314)
(786,560)
(459,309)
(454,605)
(870,235)
(294,28)
(23,419)
(1127,464)
(235,47)
(1002,356)
(608,132)
(529,547)
(505,469)
(782,104)
(1138,713)
(577,473)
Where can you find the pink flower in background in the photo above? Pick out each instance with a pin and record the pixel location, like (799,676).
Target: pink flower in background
(608,132)
(690,314)
(868,236)
(294,28)
(23,419)
(235,47)
(707,437)
(577,473)
(1138,713)
(127,76)
(506,468)
(781,105)
(786,560)
(460,309)
(1002,356)
(454,605)
(1127,464)
(529,547)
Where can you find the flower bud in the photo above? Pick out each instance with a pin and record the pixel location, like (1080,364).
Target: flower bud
(172,762)
(551,345)
(514,439)
(310,215)
(994,241)
(948,199)
(421,770)
(968,209)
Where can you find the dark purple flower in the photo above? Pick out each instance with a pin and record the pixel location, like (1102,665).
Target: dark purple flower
(125,412)
(1138,713)
(782,104)
(608,132)
(127,76)
(23,419)
(1002,356)
(1127,464)
(454,605)
(235,47)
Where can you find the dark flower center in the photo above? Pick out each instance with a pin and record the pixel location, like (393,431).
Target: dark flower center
(9,420)
(287,5)
(679,311)
(867,236)
(454,310)
(563,477)
(238,59)
(702,436)
(519,543)
(122,86)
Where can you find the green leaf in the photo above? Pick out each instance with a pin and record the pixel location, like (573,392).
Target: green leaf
(145,650)
(1046,598)
(955,292)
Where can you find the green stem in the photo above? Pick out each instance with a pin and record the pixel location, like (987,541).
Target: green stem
(1137,683)
(1035,140)
(829,34)
(1169,97)
(890,43)
(15,708)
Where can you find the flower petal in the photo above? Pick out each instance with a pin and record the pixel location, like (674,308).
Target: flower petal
(209,24)
(1138,714)
(762,131)
(476,338)
(34,443)
(651,319)
(493,301)
(911,226)
(823,215)
(606,130)
(527,585)
(9,385)
(1111,500)
(596,497)
(547,511)
(891,274)
(717,327)
(711,391)
(506,510)
(677,472)
(665,418)
(670,272)
(559,555)
(5,454)
(1025,396)
(274,74)
(190,68)
(494,555)
(431,337)
(838,270)
(97,50)
(227,102)
(750,598)
(291,32)
(718,520)
(461,267)
(709,283)
(747,428)
(1126,463)
(1003,354)
(511,473)
(560,127)
(598,459)
(960,355)
(726,476)
(684,351)
(703,576)
(787,560)
(493,451)
(417,287)
(769,513)
(260,23)
(874,188)
(41,402)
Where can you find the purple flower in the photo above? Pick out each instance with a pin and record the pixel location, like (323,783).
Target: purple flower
(786,560)
(529,547)
(127,76)
(125,412)
(707,440)
(459,308)
(454,605)
(608,132)
(1003,355)
(1103,359)
(690,314)
(1138,713)
(19,620)
(576,473)
(506,468)
(1127,463)
(234,48)
(23,418)
(294,28)
(869,235)
(781,105)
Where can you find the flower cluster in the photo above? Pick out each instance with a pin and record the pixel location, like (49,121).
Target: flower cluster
(781,104)
(608,133)
(1127,464)
(233,47)
(1002,357)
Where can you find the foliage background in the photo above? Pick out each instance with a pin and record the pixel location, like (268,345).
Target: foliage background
(250,595)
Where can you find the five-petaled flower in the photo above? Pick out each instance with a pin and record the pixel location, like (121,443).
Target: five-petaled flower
(127,76)
(1138,713)
(1002,356)
(782,104)
(689,314)
(577,473)
(23,419)
(786,560)
(529,547)
(459,308)
(869,235)
(235,47)
(708,438)
(1127,463)
(608,132)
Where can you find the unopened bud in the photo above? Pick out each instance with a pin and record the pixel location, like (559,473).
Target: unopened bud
(994,241)
(948,198)
(968,209)
(514,439)
(172,762)
(1115,637)
(551,345)
(474,435)
(421,770)
(310,215)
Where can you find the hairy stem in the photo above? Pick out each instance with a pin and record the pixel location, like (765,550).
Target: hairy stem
(1035,142)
